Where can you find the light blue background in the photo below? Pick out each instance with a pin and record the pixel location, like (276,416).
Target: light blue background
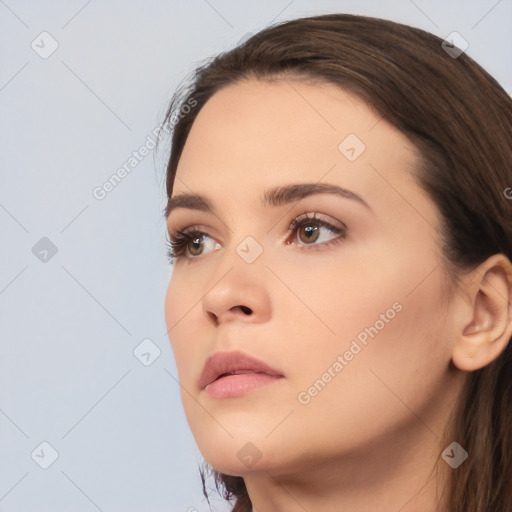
(68,374)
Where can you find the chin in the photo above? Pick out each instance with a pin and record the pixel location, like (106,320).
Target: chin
(230,429)
(235,456)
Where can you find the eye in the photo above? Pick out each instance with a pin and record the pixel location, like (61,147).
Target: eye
(309,231)
(193,242)
(189,239)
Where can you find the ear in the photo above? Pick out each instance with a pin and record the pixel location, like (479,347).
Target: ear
(487,326)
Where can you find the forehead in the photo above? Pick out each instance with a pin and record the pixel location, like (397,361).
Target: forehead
(286,120)
(261,116)
(257,134)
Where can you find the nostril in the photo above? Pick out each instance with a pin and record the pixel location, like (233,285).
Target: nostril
(246,310)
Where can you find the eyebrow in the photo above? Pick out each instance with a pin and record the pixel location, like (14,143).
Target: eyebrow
(277,196)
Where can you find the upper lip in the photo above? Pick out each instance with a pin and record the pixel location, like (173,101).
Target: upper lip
(227,362)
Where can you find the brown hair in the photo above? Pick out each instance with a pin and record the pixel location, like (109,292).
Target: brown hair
(460,120)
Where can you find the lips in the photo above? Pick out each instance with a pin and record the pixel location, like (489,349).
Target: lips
(233,363)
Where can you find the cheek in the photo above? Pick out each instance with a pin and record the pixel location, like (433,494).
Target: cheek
(179,298)
(394,354)
(172,304)
(179,305)
(390,310)
(182,301)
(169,299)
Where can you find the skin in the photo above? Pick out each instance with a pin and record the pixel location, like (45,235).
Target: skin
(371,438)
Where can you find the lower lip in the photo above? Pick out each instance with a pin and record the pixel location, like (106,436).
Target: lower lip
(238,385)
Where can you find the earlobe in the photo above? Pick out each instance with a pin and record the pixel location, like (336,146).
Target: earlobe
(488,333)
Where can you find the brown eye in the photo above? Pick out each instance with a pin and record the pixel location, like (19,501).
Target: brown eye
(310,233)
(307,231)
(189,244)
(196,246)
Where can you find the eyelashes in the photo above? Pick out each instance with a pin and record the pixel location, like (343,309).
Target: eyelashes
(178,242)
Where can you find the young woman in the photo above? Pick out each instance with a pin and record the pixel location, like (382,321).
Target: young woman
(340,223)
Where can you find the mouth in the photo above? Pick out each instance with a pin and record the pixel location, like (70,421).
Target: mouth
(229,374)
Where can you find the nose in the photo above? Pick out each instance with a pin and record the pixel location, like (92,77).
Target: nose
(238,295)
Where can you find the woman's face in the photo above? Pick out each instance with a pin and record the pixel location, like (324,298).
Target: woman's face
(348,307)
